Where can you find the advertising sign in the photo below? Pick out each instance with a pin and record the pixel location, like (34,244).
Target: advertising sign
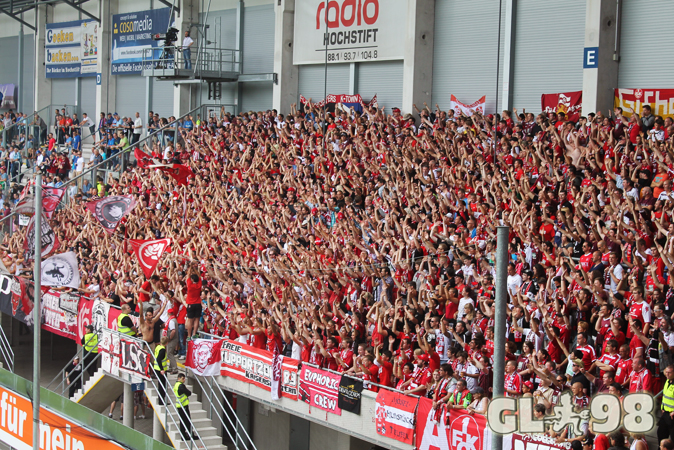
(357,30)
(660,100)
(252,365)
(71,49)
(320,389)
(395,415)
(56,432)
(132,34)
(134,359)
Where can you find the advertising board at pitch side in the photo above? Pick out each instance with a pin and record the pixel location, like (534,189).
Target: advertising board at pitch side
(357,30)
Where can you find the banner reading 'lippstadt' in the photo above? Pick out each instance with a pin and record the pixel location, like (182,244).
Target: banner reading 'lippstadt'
(132,34)
(358,30)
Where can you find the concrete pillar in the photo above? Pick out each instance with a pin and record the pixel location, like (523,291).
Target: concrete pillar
(19,86)
(508,53)
(600,71)
(418,63)
(189,15)
(128,406)
(286,90)
(45,15)
(106,91)
(353,78)
(157,429)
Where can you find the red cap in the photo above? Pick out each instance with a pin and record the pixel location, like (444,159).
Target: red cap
(424,357)
(529,384)
(314,211)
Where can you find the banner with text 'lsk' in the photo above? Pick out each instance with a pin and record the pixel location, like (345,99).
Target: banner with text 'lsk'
(252,365)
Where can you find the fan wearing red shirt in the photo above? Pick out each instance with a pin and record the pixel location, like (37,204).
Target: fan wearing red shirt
(513,382)
(193,300)
(610,359)
(385,366)
(589,355)
(624,367)
(640,378)
(344,356)
(369,371)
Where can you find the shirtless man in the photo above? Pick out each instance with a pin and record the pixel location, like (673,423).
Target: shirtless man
(148,320)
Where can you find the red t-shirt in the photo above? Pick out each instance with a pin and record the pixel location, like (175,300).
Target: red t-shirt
(146,286)
(193,292)
(385,372)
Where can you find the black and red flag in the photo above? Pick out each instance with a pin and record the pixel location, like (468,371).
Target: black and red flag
(109,211)
(144,160)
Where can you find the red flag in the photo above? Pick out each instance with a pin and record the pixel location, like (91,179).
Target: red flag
(49,239)
(109,211)
(144,160)
(570,103)
(179,172)
(51,197)
(204,356)
(149,252)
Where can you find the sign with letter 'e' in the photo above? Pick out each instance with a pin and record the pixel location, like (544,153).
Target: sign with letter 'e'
(356,30)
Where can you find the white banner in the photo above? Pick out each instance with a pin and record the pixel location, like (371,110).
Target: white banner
(468,110)
(61,270)
(357,30)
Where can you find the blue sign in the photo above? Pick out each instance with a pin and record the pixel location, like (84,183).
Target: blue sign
(590,58)
(71,49)
(135,387)
(98,79)
(132,35)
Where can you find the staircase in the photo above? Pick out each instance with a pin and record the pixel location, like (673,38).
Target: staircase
(201,423)
(98,391)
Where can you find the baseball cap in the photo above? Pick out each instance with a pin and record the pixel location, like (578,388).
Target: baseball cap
(588,441)
(424,357)
(529,384)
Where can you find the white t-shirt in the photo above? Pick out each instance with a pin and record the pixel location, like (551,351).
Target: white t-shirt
(462,303)
(187,41)
(137,125)
(164,315)
(514,282)
(79,165)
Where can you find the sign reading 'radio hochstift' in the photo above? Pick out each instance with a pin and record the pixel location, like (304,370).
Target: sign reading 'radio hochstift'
(357,30)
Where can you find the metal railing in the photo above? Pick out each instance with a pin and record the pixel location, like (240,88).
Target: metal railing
(165,61)
(63,385)
(228,412)
(8,132)
(6,350)
(169,404)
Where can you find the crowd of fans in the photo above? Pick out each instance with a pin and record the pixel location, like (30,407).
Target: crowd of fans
(366,245)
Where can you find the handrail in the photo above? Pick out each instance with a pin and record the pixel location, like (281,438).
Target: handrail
(17,123)
(174,124)
(235,427)
(7,352)
(167,397)
(80,377)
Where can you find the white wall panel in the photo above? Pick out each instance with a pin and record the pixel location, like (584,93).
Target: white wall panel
(383,79)
(312,80)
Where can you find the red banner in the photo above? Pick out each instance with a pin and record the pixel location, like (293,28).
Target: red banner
(570,103)
(661,101)
(460,431)
(99,314)
(395,415)
(59,313)
(320,389)
(245,363)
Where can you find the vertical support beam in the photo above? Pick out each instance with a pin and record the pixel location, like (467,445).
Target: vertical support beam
(149,85)
(127,412)
(239,46)
(600,71)
(500,319)
(353,78)
(78,97)
(106,92)
(44,14)
(37,319)
(508,53)
(19,86)
(418,63)
(157,429)
(188,16)
(286,90)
